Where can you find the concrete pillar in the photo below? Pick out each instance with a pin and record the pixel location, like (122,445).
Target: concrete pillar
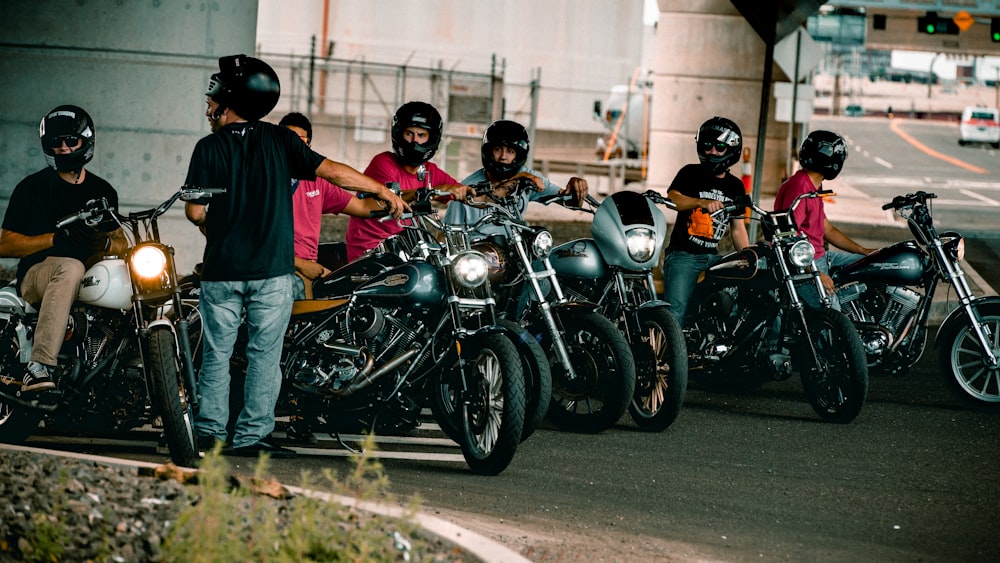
(708,61)
(140,69)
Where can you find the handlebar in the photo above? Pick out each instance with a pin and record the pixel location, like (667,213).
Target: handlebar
(909,200)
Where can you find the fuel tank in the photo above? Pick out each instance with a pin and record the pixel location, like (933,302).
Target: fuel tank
(747,267)
(344,280)
(902,263)
(578,259)
(415,283)
(107,284)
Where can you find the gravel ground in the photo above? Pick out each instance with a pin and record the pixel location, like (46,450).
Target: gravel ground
(56,508)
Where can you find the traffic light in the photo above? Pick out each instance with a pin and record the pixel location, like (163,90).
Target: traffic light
(995,30)
(931,24)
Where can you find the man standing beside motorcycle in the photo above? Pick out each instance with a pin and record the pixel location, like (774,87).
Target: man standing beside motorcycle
(53,263)
(249,259)
(698,190)
(504,155)
(821,157)
(416,132)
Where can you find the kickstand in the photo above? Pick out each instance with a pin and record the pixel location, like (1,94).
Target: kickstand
(336,436)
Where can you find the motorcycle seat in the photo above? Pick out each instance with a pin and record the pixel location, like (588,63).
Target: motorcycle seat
(315,305)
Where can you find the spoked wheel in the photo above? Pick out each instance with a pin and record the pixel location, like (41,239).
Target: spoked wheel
(836,382)
(537,377)
(486,417)
(661,376)
(970,376)
(170,397)
(605,375)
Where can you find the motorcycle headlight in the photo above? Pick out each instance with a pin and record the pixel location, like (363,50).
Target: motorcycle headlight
(148,262)
(802,253)
(641,244)
(954,244)
(542,244)
(469,269)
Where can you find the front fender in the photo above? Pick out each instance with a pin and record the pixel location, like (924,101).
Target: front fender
(571,308)
(957,318)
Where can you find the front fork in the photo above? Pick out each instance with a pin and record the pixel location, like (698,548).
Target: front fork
(954,274)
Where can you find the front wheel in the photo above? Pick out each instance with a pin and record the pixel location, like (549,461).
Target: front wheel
(605,374)
(661,373)
(485,415)
(170,398)
(973,381)
(537,377)
(836,381)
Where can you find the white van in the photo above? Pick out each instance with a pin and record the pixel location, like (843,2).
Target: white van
(980,125)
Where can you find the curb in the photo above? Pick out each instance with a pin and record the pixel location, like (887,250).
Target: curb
(482,547)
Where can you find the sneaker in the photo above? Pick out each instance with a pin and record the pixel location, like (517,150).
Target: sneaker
(298,432)
(38,378)
(254,450)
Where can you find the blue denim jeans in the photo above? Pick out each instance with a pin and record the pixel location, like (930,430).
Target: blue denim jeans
(807,291)
(267,306)
(680,274)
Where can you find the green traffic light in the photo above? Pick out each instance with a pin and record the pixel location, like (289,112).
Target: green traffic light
(996,35)
(931,28)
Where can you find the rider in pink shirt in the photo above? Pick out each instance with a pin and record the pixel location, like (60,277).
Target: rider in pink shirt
(416,133)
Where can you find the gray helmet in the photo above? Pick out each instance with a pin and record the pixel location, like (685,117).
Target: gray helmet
(823,152)
(247,85)
(67,123)
(721,133)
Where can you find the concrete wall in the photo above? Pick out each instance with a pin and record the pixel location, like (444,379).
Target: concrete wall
(708,61)
(140,68)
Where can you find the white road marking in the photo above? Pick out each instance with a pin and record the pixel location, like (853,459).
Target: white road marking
(980,197)
(883,163)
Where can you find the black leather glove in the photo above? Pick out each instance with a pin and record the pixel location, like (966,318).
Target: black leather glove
(78,236)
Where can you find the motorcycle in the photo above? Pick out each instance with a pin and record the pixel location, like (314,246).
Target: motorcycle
(750,325)
(422,233)
(403,340)
(593,369)
(127,360)
(888,295)
(614,269)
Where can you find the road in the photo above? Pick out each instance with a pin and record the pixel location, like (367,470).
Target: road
(752,477)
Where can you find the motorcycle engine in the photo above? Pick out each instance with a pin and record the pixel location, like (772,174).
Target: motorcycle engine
(879,314)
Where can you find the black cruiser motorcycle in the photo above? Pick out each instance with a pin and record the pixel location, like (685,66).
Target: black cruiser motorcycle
(402,341)
(126,361)
(614,269)
(593,369)
(888,294)
(749,324)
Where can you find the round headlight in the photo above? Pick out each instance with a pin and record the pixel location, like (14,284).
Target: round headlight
(470,269)
(641,244)
(148,261)
(802,253)
(954,245)
(542,244)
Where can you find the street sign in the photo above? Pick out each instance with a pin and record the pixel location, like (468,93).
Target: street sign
(963,20)
(797,45)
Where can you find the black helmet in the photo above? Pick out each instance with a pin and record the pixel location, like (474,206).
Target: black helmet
(823,152)
(71,123)
(505,133)
(416,114)
(722,133)
(247,85)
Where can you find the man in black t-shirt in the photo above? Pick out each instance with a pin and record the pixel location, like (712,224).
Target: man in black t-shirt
(699,190)
(249,260)
(53,261)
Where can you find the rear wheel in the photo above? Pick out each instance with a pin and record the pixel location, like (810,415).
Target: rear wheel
(486,415)
(836,383)
(973,381)
(17,423)
(661,376)
(170,397)
(605,375)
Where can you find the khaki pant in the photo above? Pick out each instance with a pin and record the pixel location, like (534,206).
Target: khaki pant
(54,283)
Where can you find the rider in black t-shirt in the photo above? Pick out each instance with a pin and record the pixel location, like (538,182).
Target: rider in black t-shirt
(53,261)
(699,190)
